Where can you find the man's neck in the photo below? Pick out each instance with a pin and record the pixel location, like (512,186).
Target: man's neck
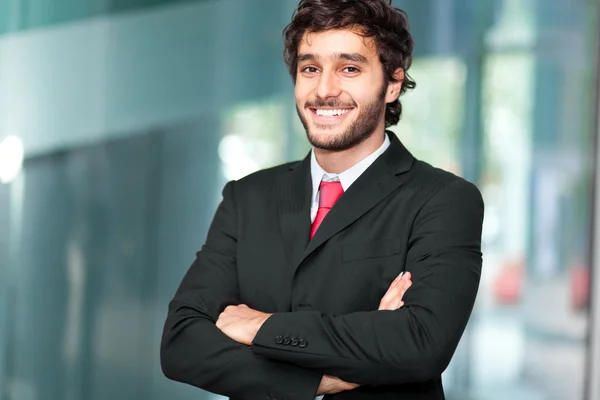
(336,162)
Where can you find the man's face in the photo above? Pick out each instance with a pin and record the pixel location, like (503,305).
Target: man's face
(340,91)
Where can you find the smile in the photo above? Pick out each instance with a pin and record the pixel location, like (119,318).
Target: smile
(330,114)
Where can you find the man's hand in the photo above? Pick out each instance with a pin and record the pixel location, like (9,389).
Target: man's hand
(241,323)
(333,385)
(392,300)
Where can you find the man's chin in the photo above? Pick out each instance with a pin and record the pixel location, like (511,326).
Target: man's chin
(323,139)
(327,132)
(331,141)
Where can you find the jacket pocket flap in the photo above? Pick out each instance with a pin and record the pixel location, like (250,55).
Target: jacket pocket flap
(371,249)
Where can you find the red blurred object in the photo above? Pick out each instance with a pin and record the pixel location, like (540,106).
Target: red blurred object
(580,286)
(509,283)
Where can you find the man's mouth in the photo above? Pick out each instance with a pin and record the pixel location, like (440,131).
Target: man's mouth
(330,112)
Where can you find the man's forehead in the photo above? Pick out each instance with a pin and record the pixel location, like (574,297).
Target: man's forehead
(336,41)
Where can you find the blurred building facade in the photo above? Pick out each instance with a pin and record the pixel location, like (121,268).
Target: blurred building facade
(133,114)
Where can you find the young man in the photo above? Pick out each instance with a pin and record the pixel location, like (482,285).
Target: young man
(293,297)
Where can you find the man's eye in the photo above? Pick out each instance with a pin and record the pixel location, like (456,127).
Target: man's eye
(310,70)
(351,70)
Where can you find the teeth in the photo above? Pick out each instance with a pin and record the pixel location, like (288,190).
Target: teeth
(331,113)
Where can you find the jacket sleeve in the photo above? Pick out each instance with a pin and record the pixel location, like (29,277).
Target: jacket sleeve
(194,351)
(415,342)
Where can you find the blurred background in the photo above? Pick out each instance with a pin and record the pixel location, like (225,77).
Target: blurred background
(120,121)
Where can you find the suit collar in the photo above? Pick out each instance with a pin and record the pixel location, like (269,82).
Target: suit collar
(396,156)
(346,178)
(293,208)
(377,182)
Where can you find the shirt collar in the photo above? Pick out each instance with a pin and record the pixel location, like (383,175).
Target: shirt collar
(347,177)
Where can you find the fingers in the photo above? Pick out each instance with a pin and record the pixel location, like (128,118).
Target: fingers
(403,276)
(392,299)
(333,385)
(348,386)
(398,279)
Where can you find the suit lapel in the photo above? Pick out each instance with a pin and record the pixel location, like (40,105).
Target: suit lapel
(380,180)
(360,198)
(293,208)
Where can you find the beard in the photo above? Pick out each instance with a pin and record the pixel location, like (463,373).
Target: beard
(360,129)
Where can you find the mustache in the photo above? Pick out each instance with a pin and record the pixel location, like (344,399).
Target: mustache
(332,103)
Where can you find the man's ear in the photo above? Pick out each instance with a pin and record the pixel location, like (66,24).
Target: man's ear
(394,87)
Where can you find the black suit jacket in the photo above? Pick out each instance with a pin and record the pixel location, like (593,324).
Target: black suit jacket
(401,214)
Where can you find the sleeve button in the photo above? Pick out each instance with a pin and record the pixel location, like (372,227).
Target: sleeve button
(286,341)
(279,339)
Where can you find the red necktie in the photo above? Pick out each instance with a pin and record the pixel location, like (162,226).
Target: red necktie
(329,193)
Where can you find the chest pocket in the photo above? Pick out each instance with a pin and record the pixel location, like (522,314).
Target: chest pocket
(371,249)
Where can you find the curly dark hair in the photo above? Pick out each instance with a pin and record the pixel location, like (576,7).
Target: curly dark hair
(377,19)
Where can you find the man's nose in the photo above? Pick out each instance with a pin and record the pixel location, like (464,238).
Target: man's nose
(328,86)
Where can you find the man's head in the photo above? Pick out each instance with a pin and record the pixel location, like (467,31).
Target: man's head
(349,61)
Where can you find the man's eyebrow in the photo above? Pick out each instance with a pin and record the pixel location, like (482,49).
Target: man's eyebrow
(307,57)
(354,57)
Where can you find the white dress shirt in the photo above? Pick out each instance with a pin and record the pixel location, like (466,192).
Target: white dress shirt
(346,178)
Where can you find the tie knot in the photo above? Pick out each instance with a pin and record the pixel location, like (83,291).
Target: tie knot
(330,192)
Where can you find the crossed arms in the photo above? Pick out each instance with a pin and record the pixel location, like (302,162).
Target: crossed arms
(409,344)
(241,323)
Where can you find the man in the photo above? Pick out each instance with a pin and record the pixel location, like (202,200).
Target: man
(293,297)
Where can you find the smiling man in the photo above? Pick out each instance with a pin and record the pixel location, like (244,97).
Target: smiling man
(350,274)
